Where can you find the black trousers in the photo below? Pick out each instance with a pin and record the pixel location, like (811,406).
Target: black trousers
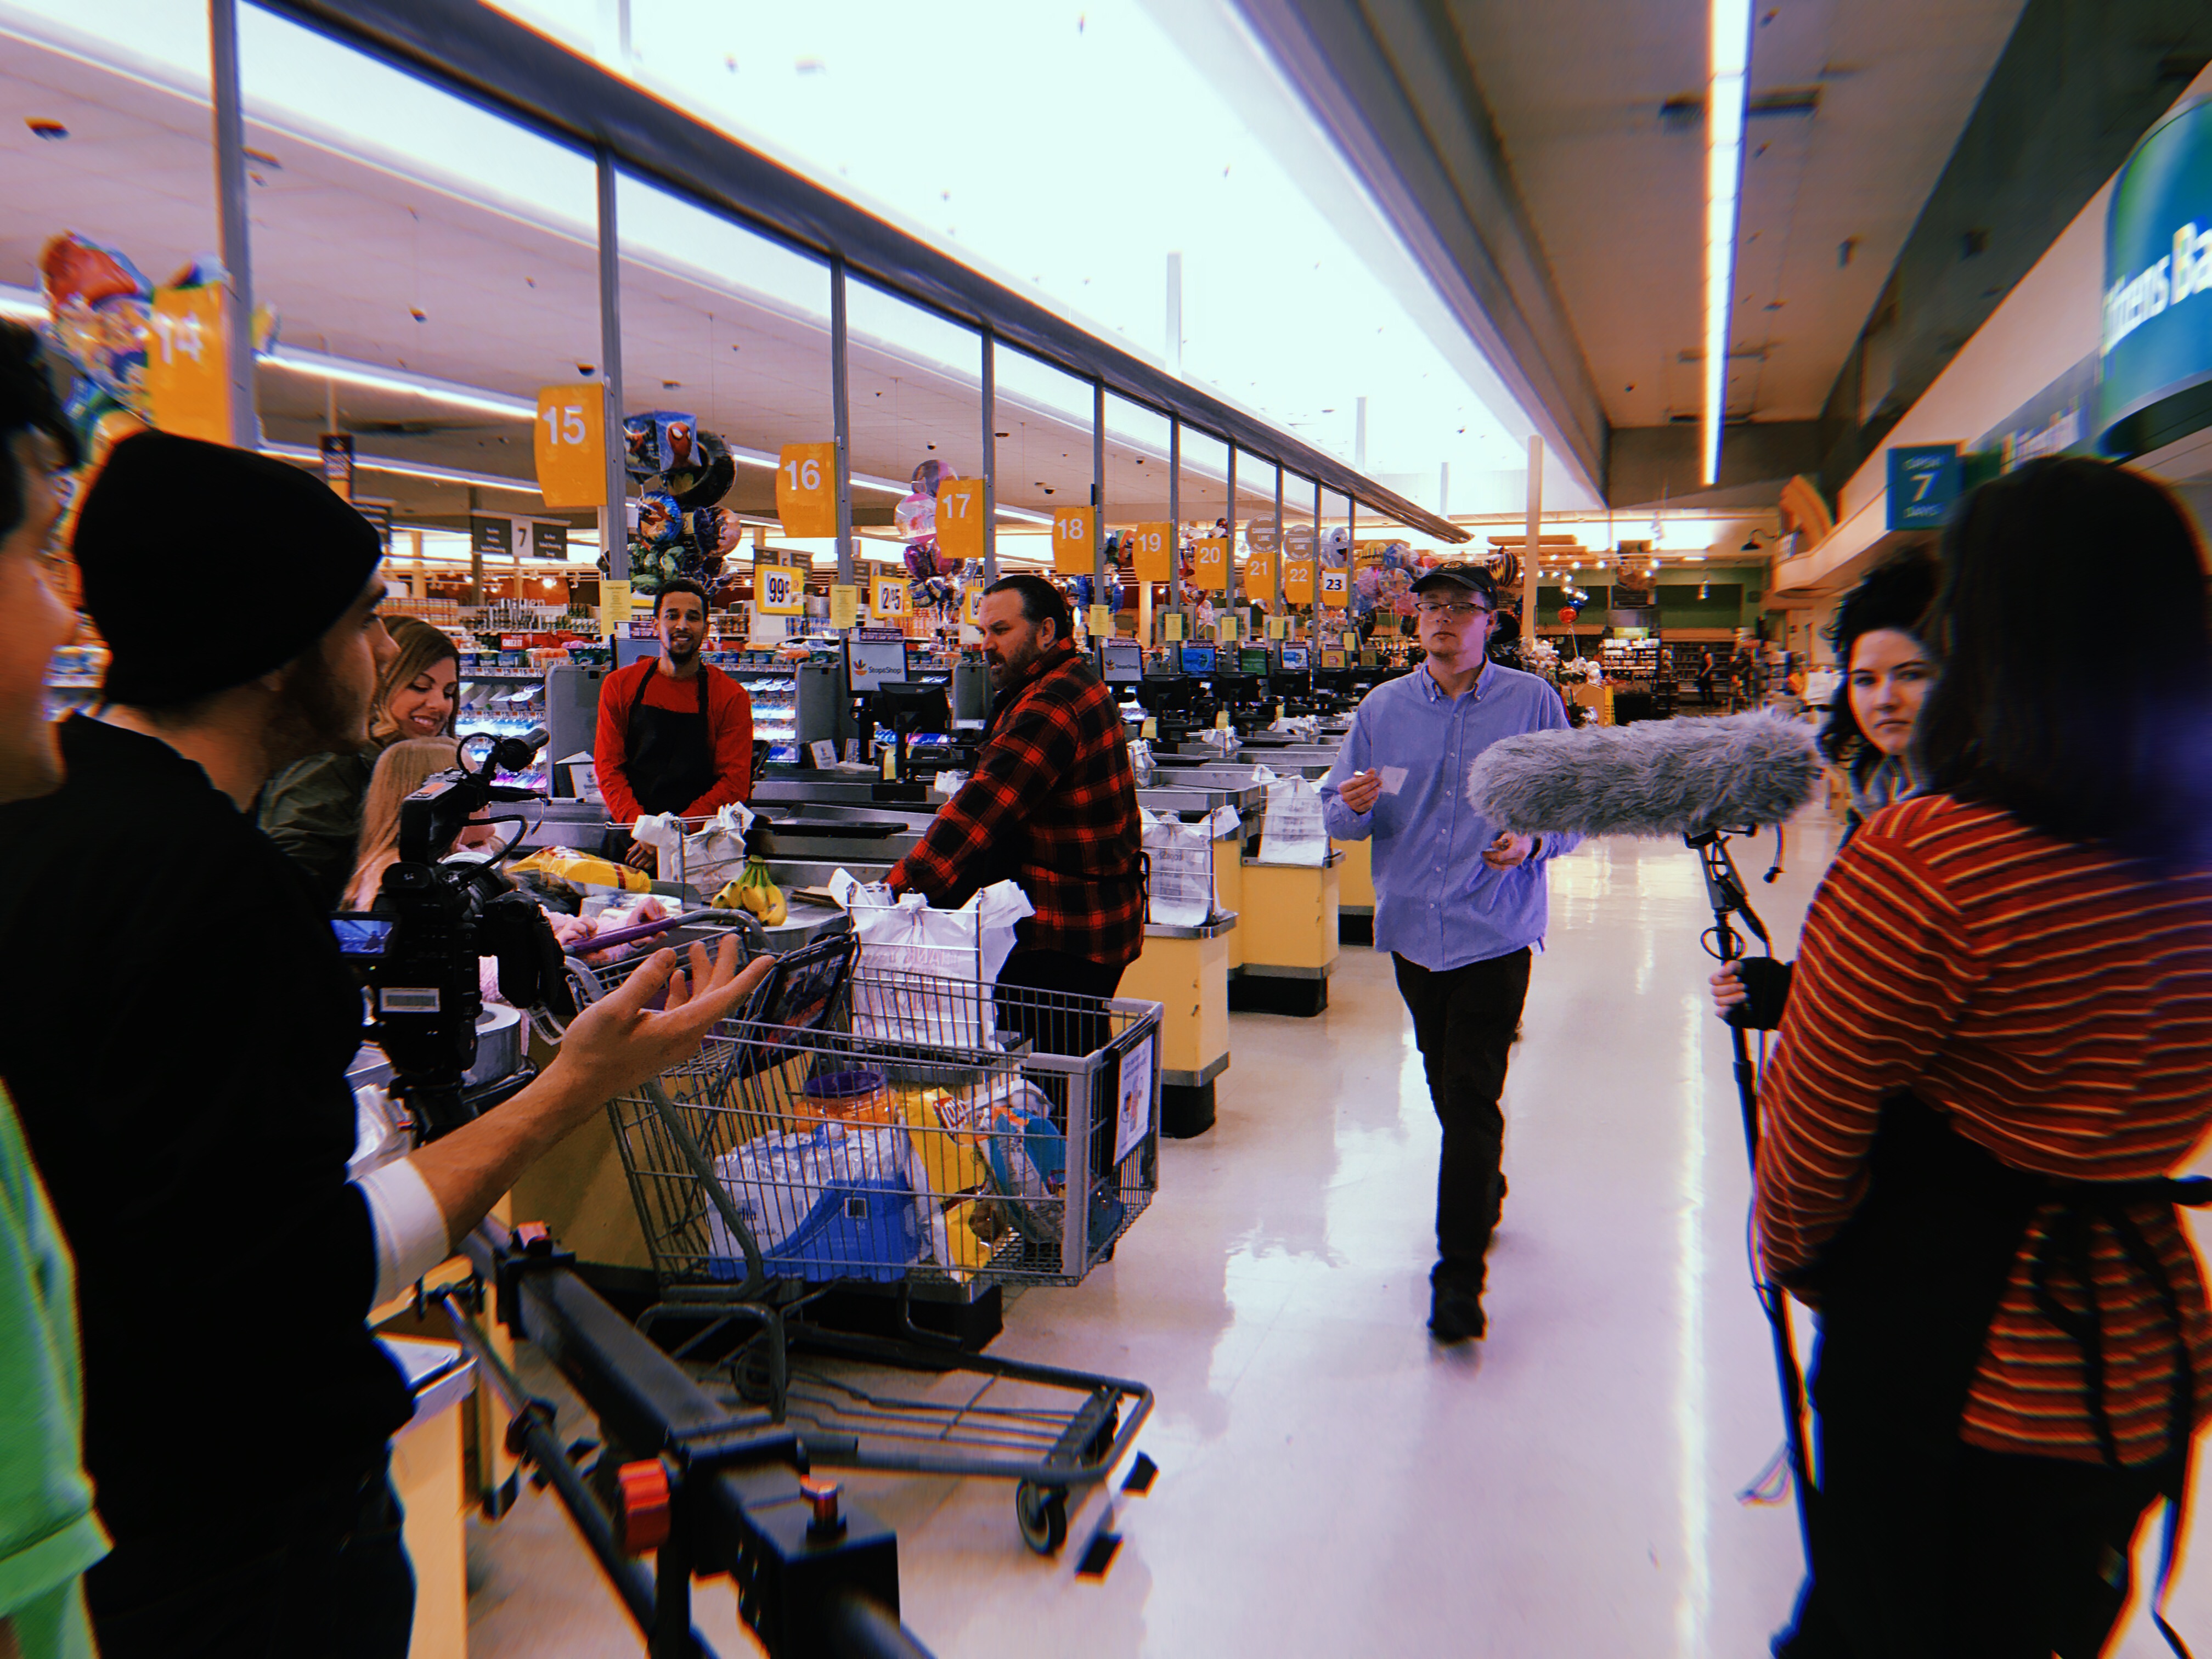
(1924,1547)
(1054,1028)
(1464,1021)
(320,1574)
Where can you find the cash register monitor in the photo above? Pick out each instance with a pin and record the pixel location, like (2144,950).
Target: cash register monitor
(1252,661)
(1125,662)
(1294,658)
(1198,660)
(876,662)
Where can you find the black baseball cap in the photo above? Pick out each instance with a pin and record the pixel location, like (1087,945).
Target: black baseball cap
(1472,578)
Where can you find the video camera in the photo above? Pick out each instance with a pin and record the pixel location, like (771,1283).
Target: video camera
(417,950)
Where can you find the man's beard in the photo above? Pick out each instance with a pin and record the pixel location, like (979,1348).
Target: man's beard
(315,712)
(1013,664)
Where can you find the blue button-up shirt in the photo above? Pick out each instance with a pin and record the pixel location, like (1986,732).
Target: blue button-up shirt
(1436,903)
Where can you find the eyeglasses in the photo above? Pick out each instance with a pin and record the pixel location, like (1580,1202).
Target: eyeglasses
(1455,612)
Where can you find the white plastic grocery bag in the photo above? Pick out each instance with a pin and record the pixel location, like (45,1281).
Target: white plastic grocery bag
(1295,831)
(904,944)
(1182,861)
(707,858)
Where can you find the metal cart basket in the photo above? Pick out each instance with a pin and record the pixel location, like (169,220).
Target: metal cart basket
(898,1127)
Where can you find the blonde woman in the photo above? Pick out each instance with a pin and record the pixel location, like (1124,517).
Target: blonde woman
(312,809)
(401,769)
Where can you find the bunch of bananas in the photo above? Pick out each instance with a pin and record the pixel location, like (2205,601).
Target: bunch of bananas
(752,890)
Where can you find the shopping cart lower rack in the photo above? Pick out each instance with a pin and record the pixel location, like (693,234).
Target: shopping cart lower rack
(900,1129)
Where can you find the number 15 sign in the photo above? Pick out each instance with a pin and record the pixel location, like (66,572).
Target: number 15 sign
(572,454)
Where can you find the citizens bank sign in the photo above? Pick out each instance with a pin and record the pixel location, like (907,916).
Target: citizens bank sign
(2157,348)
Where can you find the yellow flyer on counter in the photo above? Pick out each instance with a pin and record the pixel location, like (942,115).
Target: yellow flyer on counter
(571,446)
(1153,555)
(1298,581)
(778,590)
(1225,628)
(1278,627)
(1072,539)
(971,607)
(614,605)
(806,490)
(1336,588)
(844,604)
(1173,623)
(1102,622)
(187,363)
(1352,639)
(1210,564)
(887,598)
(960,518)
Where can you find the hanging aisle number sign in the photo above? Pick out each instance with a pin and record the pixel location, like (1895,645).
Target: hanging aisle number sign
(960,518)
(1153,546)
(1336,588)
(1297,581)
(778,590)
(806,490)
(188,363)
(571,446)
(887,598)
(1210,564)
(1259,576)
(1072,539)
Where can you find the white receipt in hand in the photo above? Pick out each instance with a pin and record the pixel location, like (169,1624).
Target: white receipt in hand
(1393,779)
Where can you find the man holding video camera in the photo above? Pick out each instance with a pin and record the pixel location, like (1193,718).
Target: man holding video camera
(180,1027)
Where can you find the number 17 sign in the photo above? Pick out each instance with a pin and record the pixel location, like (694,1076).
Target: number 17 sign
(960,518)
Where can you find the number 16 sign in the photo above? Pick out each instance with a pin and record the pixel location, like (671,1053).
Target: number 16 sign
(806,490)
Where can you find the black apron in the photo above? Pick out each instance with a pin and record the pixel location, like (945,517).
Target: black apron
(1907,1293)
(671,755)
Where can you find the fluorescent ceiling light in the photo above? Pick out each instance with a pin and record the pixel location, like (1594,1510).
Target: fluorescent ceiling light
(1726,94)
(323,367)
(409,469)
(24,305)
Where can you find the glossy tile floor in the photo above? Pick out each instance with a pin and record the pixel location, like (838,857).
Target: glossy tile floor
(1331,1482)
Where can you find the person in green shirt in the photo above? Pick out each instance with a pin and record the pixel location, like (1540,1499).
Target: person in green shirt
(48,1533)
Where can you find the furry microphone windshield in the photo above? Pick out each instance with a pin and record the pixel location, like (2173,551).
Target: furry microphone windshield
(1654,778)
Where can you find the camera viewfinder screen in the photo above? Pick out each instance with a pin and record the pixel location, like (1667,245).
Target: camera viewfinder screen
(361,936)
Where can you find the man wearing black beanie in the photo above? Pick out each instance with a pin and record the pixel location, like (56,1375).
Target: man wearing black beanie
(178,1031)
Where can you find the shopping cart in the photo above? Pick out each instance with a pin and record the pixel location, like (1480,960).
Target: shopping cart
(889,1127)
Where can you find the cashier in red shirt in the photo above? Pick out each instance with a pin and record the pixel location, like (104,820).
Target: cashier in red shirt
(676,734)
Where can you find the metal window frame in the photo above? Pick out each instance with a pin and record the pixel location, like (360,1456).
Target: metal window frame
(515,72)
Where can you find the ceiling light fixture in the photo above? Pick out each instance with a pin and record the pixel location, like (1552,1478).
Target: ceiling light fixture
(408,469)
(323,367)
(1727,92)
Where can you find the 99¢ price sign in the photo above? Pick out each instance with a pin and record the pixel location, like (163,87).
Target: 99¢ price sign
(778,590)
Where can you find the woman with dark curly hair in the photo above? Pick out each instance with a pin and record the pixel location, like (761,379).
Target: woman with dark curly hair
(1887,669)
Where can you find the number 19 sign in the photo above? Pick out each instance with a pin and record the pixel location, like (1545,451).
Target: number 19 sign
(806,490)
(571,446)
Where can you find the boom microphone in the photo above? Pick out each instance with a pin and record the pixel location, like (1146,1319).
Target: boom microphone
(1658,778)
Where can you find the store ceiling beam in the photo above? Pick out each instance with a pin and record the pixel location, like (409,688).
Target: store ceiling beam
(1390,85)
(520,73)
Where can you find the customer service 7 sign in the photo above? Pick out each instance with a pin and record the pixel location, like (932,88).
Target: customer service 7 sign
(2157,347)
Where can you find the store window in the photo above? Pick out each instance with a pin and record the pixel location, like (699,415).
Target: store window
(725,377)
(1045,416)
(1257,546)
(428,267)
(1206,535)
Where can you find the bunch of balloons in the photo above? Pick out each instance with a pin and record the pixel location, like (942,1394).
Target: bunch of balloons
(681,529)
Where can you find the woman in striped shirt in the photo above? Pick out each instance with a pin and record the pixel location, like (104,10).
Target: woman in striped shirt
(1997,1046)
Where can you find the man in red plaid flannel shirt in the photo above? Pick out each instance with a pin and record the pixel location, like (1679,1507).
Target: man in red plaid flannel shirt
(1052,805)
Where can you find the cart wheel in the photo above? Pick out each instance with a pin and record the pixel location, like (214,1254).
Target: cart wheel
(1041,1512)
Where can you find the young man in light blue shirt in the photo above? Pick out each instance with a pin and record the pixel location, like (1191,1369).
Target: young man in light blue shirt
(1459,903)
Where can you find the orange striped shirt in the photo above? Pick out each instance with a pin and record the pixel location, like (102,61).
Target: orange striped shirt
(2055,1001)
